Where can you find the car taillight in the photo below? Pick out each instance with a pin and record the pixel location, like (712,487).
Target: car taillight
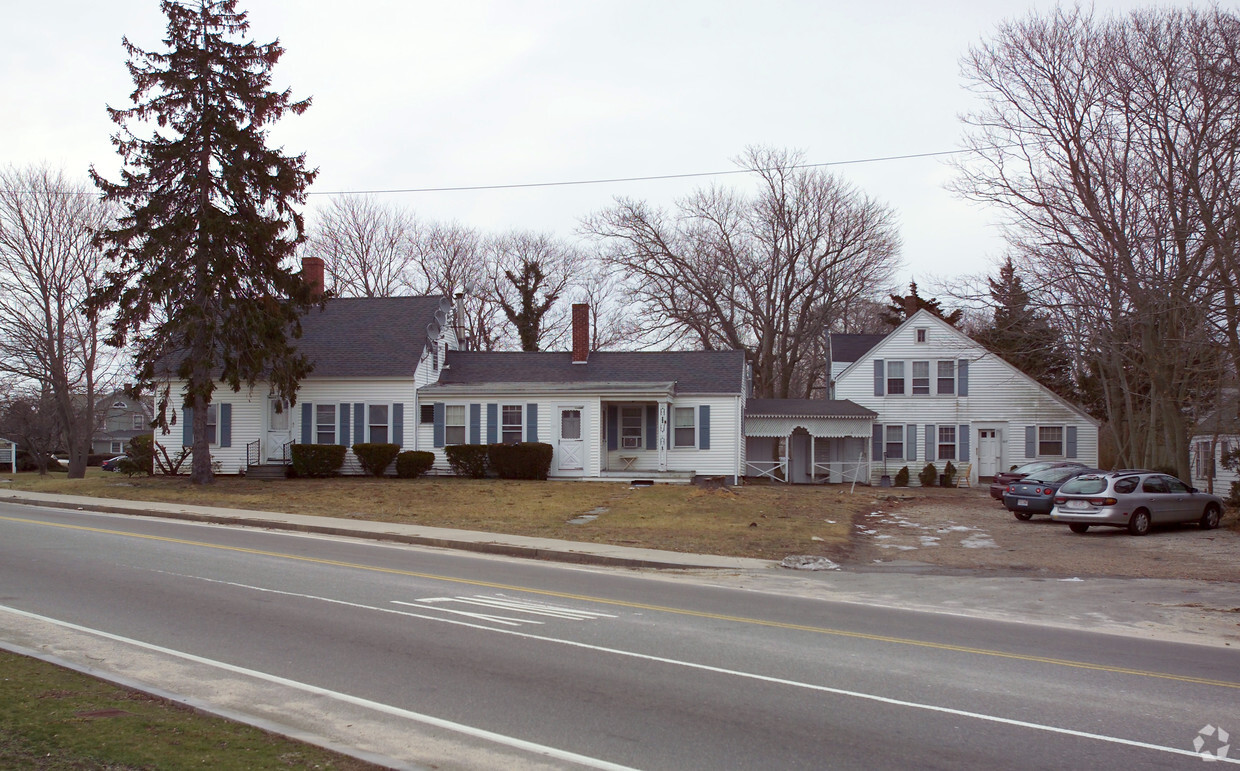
(1040,491)
(1060,499)
(1011,488)
(1102,501)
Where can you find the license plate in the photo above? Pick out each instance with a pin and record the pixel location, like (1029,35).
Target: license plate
(1077,504)
(1022,502)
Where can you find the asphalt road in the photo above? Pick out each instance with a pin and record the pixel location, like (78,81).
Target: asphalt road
(457,660)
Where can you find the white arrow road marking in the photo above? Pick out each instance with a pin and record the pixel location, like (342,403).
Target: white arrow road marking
(521,606)
(480,616)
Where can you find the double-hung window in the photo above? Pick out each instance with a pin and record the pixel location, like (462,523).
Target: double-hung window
(921,378)
(426,414)
(686,427)
(895,442)
(631,419)
(510,423)
(947,443)
(1050,441)
(895,378)
(325,423)
(139,422)
(454,424)
(377,417)
(947,378)
(213,433)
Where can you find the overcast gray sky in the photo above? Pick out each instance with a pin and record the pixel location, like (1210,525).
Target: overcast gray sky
(413,94)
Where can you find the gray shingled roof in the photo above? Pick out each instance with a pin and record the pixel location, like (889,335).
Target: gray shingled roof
(849,348)
(692,371)
(806,408)
(367,336)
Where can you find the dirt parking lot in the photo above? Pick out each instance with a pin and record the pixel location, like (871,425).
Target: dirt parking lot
(966,529)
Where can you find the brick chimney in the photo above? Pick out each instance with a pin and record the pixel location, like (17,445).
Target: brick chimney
(581,333)
(911,305)
(312,274)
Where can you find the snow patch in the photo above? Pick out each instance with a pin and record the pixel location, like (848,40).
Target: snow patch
(979,541)
(808,562)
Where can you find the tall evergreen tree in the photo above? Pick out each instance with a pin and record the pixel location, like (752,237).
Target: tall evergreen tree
(207,217)
(1024,337)
(904,306)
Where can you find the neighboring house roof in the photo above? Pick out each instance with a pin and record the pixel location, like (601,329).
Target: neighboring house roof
(691,371)
(806,408)
(852,347)
(369,336)
(1224,419)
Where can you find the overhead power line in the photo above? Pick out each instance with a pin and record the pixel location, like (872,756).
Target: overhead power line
(652,178)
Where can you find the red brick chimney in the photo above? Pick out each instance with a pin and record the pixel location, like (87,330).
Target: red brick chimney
(581,333)
(312,274)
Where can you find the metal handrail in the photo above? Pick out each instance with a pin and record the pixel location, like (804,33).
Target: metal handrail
(286,451)
(253,454)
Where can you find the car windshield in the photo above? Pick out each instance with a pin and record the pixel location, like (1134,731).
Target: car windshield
(1084,485)
(1053,475)
(1029,468)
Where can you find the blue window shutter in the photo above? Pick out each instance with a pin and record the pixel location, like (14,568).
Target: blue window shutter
(398,424)
(492,423)
(910,443)
(876,451)
(704,427)
(613,427)
(187,426)
(225,425)
(931,441)
(475,424)
(652,426)
(343,438)
(1070,437)
(962,377)
(359,422)
(1031,441)
(880,384)
(437,432)
(307,423)
(962,441)
(531,422)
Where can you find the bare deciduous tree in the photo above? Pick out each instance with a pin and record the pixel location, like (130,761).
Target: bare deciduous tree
(369,247)
(528,275)
(767,273)
(1110,144)
(48,267)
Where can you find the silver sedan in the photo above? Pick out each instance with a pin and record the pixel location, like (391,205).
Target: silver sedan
(1135,500)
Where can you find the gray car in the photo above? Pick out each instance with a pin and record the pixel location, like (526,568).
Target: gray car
(1135,500)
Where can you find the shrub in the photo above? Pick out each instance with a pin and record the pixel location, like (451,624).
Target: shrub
(949,475)
(414,463)
(928,476)
(1234,498)
(317,460)
(141,456)
(524,460)
(902,477)
(375,457)
(468,460)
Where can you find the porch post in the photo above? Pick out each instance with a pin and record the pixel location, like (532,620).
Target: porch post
(813,462)
(662,445)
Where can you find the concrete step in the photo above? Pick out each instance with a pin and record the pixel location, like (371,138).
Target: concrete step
(267,471)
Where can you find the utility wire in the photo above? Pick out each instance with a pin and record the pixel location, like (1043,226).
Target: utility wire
(612,180)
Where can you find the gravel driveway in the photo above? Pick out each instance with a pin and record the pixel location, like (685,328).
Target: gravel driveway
(943,530)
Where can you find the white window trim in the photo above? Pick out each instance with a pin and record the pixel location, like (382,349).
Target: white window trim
(463,425)
(370,423)
(213,423)
(518,427)
(912,380)
(1063,442)
(903,436)
(138,421)
(940,444)
(937,377)
(676,445)
(903,378)
(335,422)
(920,335)
(641,427)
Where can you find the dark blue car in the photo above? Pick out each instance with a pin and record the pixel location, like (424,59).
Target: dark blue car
(113,464)
(1035,494)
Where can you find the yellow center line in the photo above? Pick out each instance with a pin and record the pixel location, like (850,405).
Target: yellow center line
(655,608)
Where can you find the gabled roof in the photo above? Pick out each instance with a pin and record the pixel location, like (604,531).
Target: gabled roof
(848,348)
(714,372)
(369,336)
(806,408)
(1224,418)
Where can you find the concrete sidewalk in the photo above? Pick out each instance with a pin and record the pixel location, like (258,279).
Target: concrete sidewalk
(490,543)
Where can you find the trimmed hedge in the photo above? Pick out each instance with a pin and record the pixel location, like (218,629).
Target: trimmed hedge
(414,463)
(524,460)
(317,460)
(928,476)
(902,477)
(375,457)
(468,460)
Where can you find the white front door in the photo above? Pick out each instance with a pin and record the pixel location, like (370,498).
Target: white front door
(987,452)
(570,449)
(278,433)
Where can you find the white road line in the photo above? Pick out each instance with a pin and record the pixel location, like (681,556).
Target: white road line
(535,608)
(480,616)
(508,741)
(761,678)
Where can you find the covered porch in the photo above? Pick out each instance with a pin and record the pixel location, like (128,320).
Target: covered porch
(808,441)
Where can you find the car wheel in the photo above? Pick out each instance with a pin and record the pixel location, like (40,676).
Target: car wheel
(1078,527)
(1211,517)
(1140,522)
(1023,516)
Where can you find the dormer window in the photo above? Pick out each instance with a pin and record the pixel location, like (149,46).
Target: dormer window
(119,405)
(921,335)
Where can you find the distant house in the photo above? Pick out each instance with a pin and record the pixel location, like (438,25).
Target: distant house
(939,396)
(1217,433)
(119,418)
